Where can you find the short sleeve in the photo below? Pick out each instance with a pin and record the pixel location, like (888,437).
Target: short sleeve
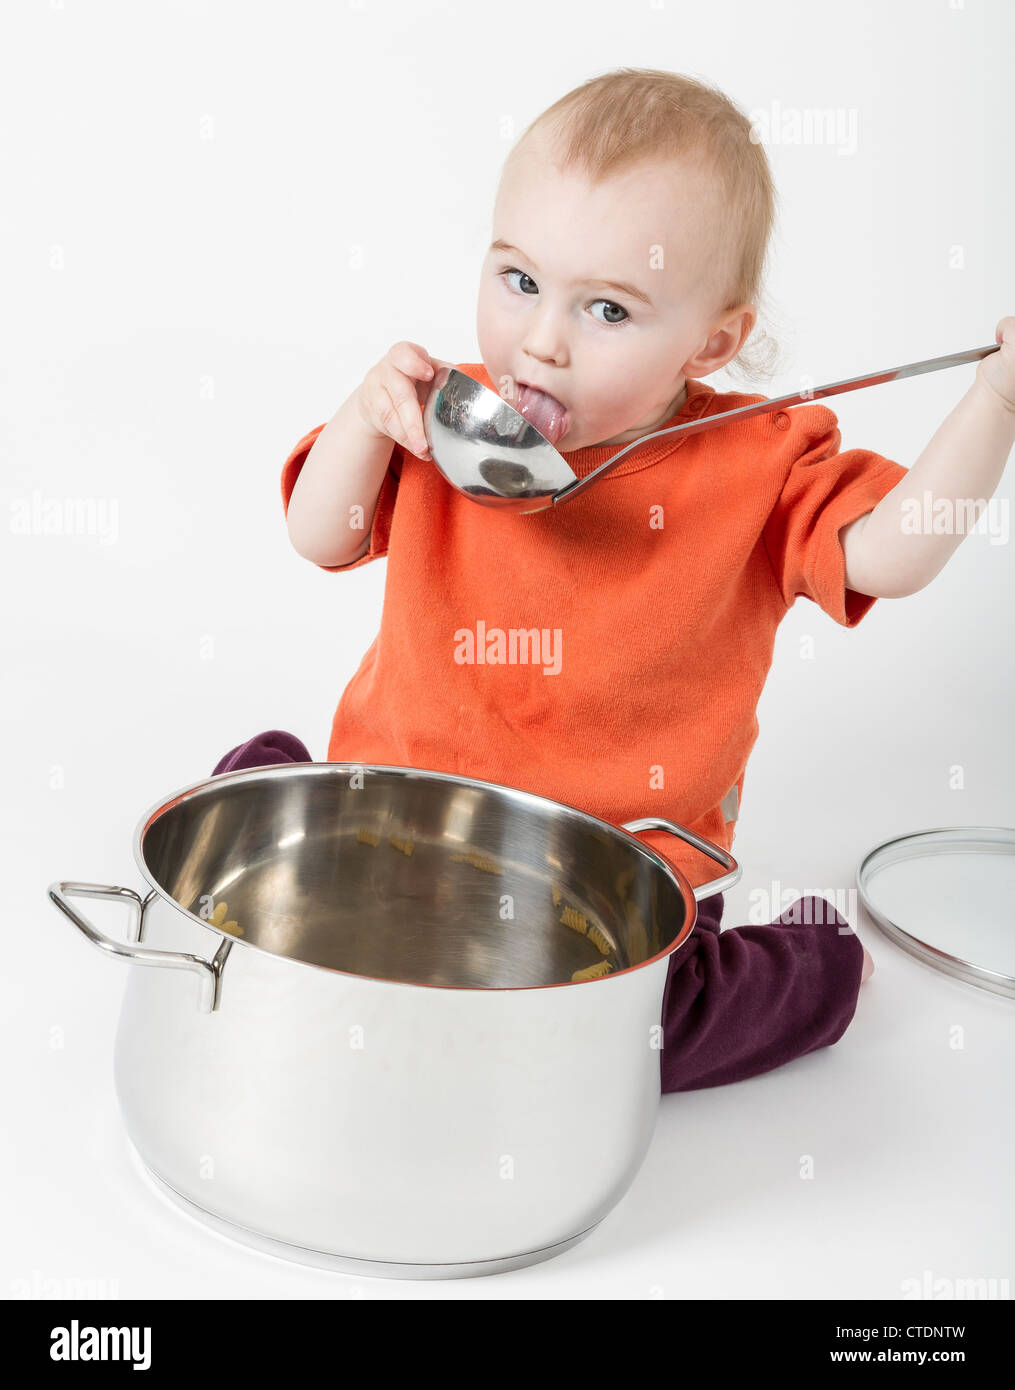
(823,492)
(380,526)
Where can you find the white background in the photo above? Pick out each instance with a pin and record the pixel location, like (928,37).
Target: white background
(186,187)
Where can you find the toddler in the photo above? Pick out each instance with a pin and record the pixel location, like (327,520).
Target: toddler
(629,237)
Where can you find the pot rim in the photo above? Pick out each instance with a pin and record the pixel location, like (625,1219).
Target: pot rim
(271,771)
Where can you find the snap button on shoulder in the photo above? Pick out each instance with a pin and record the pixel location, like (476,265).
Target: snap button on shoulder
(782,420)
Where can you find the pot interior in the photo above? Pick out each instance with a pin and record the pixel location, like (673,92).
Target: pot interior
(398,874)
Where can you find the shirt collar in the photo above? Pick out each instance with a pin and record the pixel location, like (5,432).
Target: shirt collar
(584,461)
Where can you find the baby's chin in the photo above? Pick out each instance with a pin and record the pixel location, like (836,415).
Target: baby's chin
(576,437)
(573,440)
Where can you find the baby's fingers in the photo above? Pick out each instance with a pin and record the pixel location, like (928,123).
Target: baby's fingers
(411,359)
(405,416)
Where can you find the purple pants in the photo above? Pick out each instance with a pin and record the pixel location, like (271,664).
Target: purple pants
(736,1003)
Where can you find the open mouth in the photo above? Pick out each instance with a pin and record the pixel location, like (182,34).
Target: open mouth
(543,411)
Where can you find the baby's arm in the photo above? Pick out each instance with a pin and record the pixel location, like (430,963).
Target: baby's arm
(343,471)
(892,552)
(748,999)
(333,500)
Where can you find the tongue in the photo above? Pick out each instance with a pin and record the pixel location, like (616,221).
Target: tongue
(544,412)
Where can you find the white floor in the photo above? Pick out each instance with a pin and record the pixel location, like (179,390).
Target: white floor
(906,1138)
(907,1135)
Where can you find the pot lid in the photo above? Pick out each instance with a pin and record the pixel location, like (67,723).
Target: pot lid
(947,896)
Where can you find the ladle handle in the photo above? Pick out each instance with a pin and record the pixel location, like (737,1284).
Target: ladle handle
(810,393)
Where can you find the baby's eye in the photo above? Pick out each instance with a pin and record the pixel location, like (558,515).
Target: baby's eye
(507,273)
(615,307)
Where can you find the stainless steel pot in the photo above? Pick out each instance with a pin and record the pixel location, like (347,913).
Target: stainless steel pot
(424,1038)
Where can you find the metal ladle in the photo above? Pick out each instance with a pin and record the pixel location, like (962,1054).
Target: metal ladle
(493,455)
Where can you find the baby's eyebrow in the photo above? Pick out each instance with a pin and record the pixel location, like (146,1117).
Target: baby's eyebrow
(620,286)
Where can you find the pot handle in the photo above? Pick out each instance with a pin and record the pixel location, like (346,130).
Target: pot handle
(721,856)
(180,960)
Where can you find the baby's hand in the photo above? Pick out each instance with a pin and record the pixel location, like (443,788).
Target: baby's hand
(998,370)
(392,394)
(868,965)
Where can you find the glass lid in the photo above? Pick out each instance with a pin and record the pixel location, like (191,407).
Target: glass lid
(947,897)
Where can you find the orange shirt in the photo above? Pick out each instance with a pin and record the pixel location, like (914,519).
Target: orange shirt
(656,595)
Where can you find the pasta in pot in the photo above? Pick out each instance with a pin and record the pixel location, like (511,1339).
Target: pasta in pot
(217,919)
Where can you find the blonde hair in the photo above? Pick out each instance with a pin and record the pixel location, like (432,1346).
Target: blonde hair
(629,115)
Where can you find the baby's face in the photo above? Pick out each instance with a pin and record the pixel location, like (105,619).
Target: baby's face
(616,354)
